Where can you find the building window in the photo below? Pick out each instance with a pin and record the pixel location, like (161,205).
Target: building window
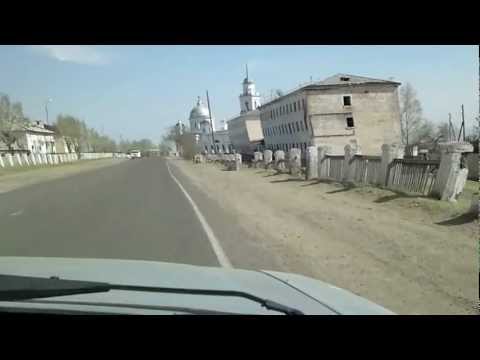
(291,107)
(347,101)
(303,104)
(298,126)
(305,122)
(298,105)
(350,122)
(294,106)
(301,127)
(290,128)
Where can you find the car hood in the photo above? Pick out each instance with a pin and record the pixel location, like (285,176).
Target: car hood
(303,293)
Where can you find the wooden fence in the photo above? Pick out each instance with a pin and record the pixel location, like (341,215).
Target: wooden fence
(335,167)
(415,176)
(366,169)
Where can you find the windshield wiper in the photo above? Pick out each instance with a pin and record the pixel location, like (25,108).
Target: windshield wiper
(15,288)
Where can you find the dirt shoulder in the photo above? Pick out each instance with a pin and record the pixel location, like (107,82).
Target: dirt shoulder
(409,254)
(17,177)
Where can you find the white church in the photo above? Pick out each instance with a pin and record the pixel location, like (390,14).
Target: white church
(245,130)
(208,137)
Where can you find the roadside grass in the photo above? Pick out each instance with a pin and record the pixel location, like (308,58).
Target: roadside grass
(32,168)
(431,205)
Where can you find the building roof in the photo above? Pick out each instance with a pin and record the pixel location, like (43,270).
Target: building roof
(199,111)
(335,80)
(345,79)
(33,127)
(245,116)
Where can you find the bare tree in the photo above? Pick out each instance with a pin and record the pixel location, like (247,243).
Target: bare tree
(413,125)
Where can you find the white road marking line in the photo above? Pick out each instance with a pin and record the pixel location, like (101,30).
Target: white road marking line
(16,213)
(217,249)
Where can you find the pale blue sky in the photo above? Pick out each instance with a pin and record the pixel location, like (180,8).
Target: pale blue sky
(137,91)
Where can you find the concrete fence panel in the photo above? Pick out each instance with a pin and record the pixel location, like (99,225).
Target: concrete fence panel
(25,159)
(33,161)
(18,160)
(10,160)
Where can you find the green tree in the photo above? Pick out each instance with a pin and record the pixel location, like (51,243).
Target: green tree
(11,119)
(184,140)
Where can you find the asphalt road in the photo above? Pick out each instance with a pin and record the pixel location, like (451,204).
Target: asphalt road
(133,210)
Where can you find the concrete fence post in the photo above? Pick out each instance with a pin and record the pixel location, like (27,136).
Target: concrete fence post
(451,176)
(10,160)
(257,158)
(312,162)
(238,161)
(267,158)
(390,152)
(279,160)
(348,164)
(32,159)
(323,161)
(1,161)
(295,161)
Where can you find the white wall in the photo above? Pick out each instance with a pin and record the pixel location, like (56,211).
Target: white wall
(276,118)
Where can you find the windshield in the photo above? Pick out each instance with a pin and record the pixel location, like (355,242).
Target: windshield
(310,179)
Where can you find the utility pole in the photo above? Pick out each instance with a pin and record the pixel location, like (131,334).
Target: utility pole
(451,132)
(211,121)
(462,127)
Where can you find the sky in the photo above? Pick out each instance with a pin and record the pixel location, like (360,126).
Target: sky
(134,92)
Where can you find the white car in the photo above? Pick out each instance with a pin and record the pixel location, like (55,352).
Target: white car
(135,154)
(110,286)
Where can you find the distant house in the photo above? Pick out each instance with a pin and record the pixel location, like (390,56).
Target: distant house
(342,109)
(35,138)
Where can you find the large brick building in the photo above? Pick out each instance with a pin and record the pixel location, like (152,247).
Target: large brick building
(340,110)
